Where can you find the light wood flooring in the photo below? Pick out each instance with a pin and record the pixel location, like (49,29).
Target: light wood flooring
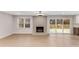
(55,40)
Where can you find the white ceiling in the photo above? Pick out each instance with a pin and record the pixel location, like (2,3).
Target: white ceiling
(44,12)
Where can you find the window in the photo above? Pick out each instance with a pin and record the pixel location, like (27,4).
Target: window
(24,22)
(21,22)
(27,23)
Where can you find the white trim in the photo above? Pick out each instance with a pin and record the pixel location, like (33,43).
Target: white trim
(22,33)
(1,37)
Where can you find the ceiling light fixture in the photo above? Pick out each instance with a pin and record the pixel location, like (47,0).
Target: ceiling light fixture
(39,13)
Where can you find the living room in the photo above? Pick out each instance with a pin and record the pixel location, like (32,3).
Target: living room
(40,25)
(39,29)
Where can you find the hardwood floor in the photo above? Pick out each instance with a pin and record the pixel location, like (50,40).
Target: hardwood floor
(40,41)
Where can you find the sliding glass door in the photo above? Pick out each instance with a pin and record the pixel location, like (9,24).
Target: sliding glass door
(66,25)
(59,25)
(52,26)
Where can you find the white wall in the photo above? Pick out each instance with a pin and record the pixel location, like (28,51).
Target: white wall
(76,22)
(77,19)
(6,25)
(25,30)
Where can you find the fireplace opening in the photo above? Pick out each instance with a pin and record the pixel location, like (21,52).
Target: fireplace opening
(39,29)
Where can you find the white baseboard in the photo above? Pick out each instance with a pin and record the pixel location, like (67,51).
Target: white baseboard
(21,33)
(1,37)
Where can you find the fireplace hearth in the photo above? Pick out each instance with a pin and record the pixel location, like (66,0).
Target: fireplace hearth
(40,29)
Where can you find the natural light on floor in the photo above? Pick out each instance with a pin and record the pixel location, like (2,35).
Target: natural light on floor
(59,31)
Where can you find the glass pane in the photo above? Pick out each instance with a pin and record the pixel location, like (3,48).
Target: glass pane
(21,23)
(52,23)
(27,23)
(59,26)
(66,26)
(59,23)
(52,26)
